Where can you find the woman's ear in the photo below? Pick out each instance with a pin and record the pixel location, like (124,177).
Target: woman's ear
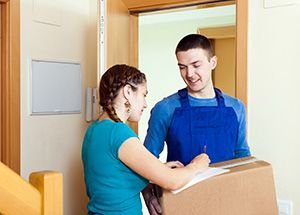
(127,91)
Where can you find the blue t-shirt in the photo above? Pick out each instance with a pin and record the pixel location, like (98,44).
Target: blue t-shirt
(111,186)
(162,113)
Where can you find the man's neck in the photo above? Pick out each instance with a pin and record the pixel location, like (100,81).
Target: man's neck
(205,93)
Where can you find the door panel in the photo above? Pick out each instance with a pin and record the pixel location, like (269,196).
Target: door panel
(0,85)
(224,74)
(10,84)
(117,36)
(152,5)
(121,38)
(223,40)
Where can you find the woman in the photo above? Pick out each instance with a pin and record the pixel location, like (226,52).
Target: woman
(116,164)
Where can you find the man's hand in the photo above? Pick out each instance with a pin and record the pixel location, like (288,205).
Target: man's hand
(151,200)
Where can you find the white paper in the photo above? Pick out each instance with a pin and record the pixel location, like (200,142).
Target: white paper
(210,172)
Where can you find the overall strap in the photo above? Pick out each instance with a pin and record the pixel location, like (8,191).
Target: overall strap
(219,97)
(184,99)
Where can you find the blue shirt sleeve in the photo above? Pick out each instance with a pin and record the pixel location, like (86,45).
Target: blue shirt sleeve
(242,148)
(158,126)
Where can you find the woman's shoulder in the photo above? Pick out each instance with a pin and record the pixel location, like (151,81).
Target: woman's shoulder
(112,125)
(117,132)
(106,126)
(122,128)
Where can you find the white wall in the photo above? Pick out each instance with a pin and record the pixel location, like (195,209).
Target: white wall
(54,142)
(274,105)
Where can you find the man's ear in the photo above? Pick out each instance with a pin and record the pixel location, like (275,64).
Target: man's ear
(213,62)
(127,91)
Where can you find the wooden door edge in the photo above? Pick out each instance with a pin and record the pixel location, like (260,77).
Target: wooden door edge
(10,77)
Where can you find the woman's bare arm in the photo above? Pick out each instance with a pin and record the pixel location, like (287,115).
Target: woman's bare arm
(133,153)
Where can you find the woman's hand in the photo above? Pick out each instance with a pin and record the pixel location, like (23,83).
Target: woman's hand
(174,164)
(201,162)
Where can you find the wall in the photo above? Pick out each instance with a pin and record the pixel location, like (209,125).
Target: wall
(53,142)
(273,112)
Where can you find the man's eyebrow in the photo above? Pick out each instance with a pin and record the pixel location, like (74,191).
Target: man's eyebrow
(180,64)
(197,61)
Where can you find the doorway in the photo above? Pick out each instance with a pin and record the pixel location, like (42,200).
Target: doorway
(159,34)
(121,41)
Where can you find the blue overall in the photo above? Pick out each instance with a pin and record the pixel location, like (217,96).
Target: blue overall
(194,128)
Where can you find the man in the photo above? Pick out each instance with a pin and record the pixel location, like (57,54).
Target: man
(196,119)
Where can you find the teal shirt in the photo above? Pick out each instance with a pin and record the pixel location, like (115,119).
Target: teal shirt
(111,186)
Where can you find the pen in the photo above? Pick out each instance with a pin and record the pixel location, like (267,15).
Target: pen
(204,149)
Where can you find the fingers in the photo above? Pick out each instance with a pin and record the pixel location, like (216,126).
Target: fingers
(152,211)
(207,158)
(154,206)
(202,161)
(174,164)
(203,155)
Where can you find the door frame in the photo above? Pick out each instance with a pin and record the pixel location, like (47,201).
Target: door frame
(10,84)
(137,7)
(133,8)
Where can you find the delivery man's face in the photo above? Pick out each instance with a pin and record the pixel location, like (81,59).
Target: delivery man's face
(196,68)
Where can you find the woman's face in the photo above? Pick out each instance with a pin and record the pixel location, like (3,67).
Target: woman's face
(138,102)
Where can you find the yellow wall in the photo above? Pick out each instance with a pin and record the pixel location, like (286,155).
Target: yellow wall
(274,116)
(54,141)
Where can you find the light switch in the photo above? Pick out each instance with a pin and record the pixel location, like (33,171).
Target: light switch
(94,104)
(279,3)
(88,105)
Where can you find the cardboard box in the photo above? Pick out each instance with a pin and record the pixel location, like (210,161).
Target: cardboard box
(245,190)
